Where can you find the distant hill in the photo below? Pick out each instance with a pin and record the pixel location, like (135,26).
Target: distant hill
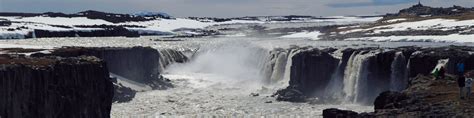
(92,14)
(424,11)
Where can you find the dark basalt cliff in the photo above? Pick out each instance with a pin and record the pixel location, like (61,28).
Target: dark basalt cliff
(310,69)
(374,70)
(424,96)
(54,87)
(139,64)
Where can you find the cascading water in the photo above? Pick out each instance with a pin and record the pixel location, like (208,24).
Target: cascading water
(236,64)
(287,72)
(399,73)
(275,67)
(335,88)
(355,76)
(169,56)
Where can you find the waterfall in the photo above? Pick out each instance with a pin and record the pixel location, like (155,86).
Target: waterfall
(169,56)
(287,73)
(334,89)
(275,68)
(355,76)
(33,35)
(399,73)
(232,64)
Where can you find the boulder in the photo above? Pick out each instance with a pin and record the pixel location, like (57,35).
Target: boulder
(290,94)
(390,100)
(337,113)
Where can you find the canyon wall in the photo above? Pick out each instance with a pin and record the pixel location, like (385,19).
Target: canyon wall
(54,87)
(359,75)
(139,64)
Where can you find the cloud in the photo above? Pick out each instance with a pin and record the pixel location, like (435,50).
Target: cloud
(371,3)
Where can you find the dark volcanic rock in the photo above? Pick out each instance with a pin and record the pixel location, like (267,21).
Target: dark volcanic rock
(337,113)
(311,71)
(419,9)
(140,64)
(5,22)
(425,60)
(54,87)
(290,94)
(390,100)
(122,93)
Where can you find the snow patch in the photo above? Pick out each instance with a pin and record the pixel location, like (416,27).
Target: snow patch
(312,35)
(453,38)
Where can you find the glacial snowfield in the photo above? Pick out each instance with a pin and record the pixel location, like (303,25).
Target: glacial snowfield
(220,79)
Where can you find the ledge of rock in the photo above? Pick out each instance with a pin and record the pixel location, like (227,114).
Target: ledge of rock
(48,86)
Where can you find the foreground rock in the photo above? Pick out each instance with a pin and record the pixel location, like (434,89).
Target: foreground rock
(337,113)
(132,69)
(424,98)
(122,93)
(54,87)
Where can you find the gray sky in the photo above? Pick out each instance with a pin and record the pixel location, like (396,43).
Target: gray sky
(225,8)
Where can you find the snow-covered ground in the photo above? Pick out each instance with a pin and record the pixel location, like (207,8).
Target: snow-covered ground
(457,31)
(21,26)
(24,25)
(311,35)
(438,24)
(443,38)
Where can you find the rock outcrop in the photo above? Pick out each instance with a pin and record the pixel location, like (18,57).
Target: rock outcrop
(53,86)
(311,71)
(139,64)
(420,10)
(122,93)
(337,113)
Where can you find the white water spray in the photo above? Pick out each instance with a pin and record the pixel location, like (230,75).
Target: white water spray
(355,76)
(229,65)
(399,73)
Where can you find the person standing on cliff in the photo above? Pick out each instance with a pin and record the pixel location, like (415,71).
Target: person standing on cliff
(461,85)
(442,72)
(436,74)
(460,68)
(468,87)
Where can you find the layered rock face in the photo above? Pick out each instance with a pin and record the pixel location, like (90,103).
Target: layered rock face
(424,96)
(139,64)
(360,75)
(54,87)
(311,70)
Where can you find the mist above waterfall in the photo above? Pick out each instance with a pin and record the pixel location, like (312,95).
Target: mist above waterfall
(235,64)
